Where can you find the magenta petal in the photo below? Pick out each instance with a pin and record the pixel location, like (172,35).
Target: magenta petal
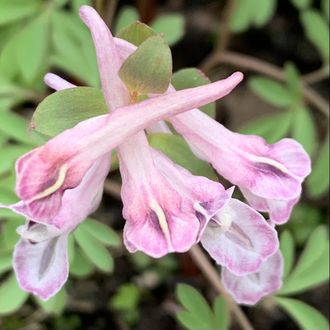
(249,289)
(42,268)
(239,238)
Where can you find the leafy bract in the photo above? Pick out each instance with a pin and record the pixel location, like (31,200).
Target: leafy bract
(66,108)
(136,33)
(149,68)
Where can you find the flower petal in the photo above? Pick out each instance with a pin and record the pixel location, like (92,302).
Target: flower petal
(109,62)
(42,268)
(279,210)
(239,238)
(271,171)
(249,289)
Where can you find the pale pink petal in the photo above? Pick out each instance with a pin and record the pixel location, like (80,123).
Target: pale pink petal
(56,82)
(279,210)
(37,232)
(109,61)
(249,289)
(42,268)
(239,238)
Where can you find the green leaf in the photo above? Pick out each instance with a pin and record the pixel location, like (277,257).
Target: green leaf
(325,8)
(241,18)
(103,233)
(5,262)
(307,317)
(11,296)
(149,68)
(60,3)
(33,47)
(221,312)
(10,236)
(303,129)
(64,109)
(317,31)
(195,303)
(293,81)
(126,298)
(95,251)
(271,127)
(126,16)
(192,77)
(315,247)
(15,127)
(266,10)
(318,181)
(56,304)
(136,33)
(9,154)
(13,10)
(191,321)
(78,3)
(304,219)
(301,4)
(271,91)
(288,251)
(175,147)
(171,25)
(313,265)
(80,266)
(73,47)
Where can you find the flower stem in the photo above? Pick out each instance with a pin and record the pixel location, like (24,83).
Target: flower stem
(213,277)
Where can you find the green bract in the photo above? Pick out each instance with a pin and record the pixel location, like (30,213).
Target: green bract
(66,108)
(149,68)
(136,33)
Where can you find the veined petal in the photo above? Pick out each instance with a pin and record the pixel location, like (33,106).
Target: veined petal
(42,268)
(239,238)
(279,210)
(269,171)
(207,196)
(165,206)
(249,289)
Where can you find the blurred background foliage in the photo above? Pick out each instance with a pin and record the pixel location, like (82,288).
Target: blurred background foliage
(282,47)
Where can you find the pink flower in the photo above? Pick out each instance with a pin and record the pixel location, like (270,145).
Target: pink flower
(55,180)
(40,257)
(270,176)
(160,218)
(249,289)
(239,238)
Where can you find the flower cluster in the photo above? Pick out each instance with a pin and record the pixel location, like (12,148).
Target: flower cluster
(166,208)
